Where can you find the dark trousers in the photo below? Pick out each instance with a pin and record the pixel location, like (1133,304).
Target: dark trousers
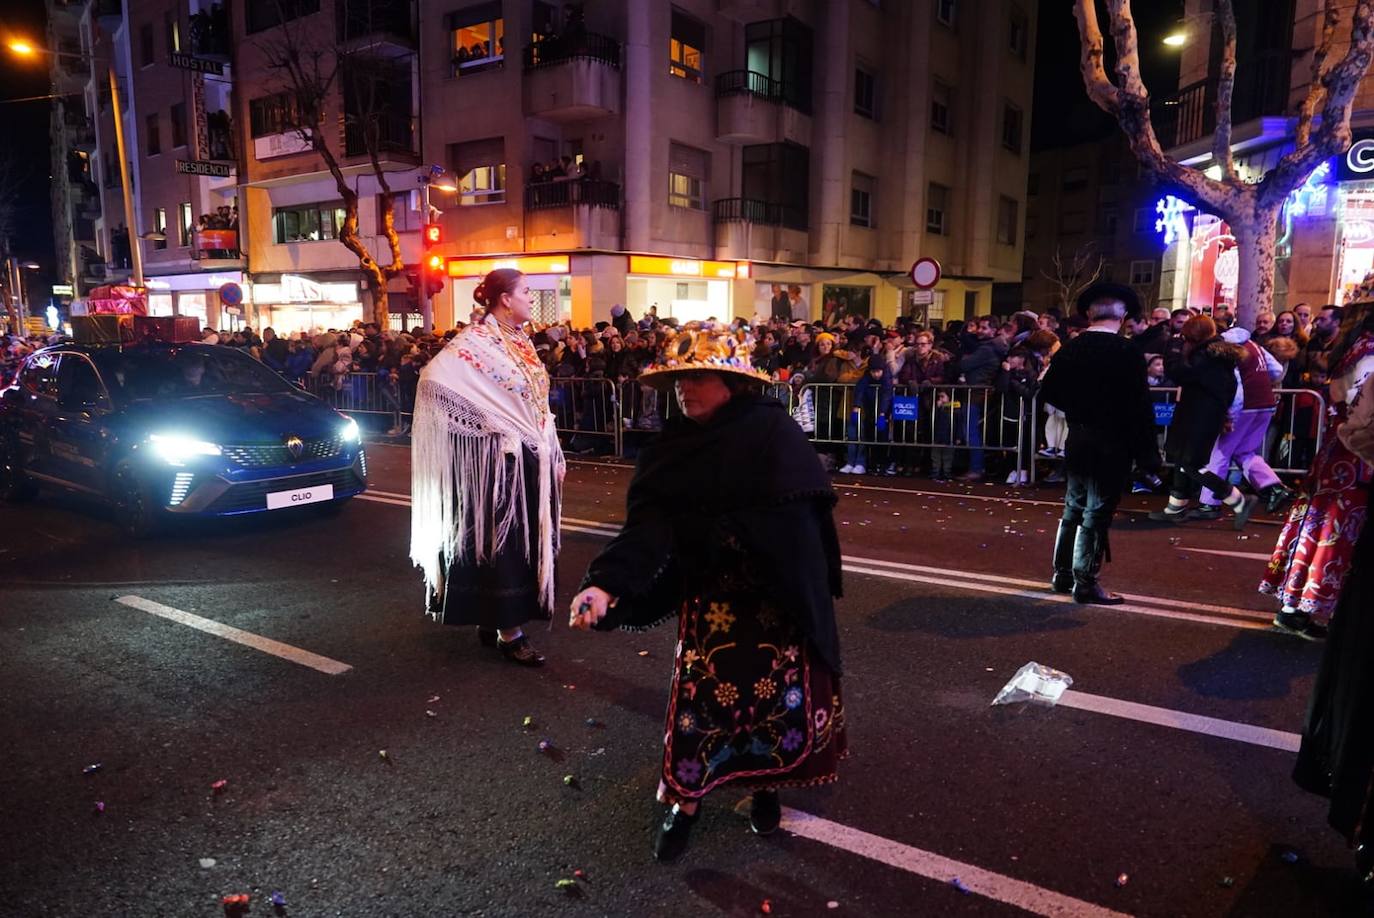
(1090,502)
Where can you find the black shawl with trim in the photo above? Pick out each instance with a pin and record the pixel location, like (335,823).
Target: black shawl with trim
(751,474)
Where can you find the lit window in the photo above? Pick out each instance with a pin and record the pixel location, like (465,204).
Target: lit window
(688,169)
(477,38)
(482,185)
(685,47)
(307,222)
(160,226)
(185,225)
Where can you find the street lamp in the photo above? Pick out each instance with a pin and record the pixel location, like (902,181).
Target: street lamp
(1176,39)
(27,49)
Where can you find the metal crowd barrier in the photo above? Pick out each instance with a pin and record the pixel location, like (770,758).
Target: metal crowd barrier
(587,411)
(1295,434)
(958,418)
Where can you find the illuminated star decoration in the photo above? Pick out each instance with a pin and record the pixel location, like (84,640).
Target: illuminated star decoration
(1172,221)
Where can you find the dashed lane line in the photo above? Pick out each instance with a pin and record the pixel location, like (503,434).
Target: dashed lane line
(976,880)
(238,636)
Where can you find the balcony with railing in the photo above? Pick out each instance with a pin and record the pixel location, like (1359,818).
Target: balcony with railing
(749,229)
(753,107)
(574,213)
(1190,115)
(391,134)
(573,77)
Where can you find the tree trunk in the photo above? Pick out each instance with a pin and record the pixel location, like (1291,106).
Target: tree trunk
(1256,240)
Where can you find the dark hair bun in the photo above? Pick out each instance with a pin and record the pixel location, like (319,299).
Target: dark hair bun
(497,282)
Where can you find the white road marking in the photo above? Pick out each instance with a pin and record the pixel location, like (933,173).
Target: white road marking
(971,580)
(383,500)
(1252,624)
(1180,720)
(1249,555)
(246,638)
(976,880)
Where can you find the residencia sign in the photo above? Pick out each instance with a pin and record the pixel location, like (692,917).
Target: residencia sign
(201,167)
(197,64)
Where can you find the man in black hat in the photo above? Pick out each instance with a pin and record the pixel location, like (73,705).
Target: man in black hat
(1098,381)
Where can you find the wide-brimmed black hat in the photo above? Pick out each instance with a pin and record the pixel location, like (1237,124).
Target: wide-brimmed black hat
(1105,290)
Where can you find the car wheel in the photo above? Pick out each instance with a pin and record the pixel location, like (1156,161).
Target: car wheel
(136,511)
(15,486)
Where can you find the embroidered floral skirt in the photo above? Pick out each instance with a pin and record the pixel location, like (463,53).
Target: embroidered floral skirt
(1314,551)
(751,703)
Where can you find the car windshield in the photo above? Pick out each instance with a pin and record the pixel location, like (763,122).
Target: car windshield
(185,372)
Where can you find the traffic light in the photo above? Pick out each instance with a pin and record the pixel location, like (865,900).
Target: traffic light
(433,262)
(434,275)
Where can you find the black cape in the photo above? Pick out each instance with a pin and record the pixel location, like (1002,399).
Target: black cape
(749,474)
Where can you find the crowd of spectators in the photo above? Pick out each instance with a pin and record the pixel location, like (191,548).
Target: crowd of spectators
(976,379)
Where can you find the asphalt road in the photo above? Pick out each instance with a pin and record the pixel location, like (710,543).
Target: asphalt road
(1123,799)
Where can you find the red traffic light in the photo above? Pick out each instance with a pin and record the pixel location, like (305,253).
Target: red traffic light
(435,263)
(434,234)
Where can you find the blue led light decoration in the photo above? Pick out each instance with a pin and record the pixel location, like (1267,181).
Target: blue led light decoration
(1309,197)
(1172,221)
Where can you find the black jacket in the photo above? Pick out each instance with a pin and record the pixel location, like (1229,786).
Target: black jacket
(749,475)
(1207,376)
(1098,381)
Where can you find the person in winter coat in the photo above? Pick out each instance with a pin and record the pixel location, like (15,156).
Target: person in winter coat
(1242,439)
(1018,380)
(1205,369)
(869,418)
(621,319)
(298,360)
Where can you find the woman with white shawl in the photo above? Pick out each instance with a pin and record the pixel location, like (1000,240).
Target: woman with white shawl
(487,472)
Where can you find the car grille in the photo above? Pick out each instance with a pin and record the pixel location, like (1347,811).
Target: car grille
(257,456)
(252,495)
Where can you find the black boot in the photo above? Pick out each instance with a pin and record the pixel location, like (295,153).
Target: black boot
(673,834)
(1088,551)
(1062,581)
(765,812)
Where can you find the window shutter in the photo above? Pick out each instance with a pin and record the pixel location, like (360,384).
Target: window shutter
(472,15)
(468,156)
(689,161)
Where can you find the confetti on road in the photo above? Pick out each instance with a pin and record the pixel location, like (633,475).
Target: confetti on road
(206,863)
(219,786)
(92,768)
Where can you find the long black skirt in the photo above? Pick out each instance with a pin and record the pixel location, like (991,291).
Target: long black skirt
(503,591)
(1336,759)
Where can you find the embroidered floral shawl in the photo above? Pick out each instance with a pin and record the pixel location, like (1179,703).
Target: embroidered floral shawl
(482,399)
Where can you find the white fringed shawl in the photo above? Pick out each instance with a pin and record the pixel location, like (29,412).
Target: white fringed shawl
(479,400)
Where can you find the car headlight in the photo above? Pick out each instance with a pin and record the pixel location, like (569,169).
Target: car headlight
(350,432)
(175,449)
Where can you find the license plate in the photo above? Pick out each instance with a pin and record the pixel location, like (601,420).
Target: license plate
(281,499)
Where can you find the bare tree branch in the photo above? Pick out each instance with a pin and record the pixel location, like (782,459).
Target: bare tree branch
(1317,87)
(1226,84)
(1074,277)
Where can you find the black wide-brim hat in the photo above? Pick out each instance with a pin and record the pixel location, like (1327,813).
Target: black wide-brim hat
(1106,290)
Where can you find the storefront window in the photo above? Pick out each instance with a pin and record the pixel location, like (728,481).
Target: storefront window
(839,302)
(159,304)
(193,304)
(1356,249)
(685,300)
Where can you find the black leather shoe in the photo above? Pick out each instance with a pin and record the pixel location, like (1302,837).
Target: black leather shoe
(1093,595)
(1244,512)
(673,834)
(521,651)
(1276,497)
(486,636)
(765,812)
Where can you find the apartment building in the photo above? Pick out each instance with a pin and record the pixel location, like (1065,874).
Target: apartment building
(1327,230)
(720,147)
(74,192)
(1088,205)
(678,156)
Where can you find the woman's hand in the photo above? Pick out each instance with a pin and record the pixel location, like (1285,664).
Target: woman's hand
(589,607)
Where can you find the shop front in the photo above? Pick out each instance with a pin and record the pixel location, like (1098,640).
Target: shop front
(686,289)
(298,303)
(549,278)
(195,295)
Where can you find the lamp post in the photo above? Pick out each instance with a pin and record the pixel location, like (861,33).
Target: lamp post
(18,288)
(27,49)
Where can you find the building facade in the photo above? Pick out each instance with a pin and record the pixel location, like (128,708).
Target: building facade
(1327,229)
(678,156)
(1089,206)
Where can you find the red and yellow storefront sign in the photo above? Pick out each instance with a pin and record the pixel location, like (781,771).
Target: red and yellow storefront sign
(525,264)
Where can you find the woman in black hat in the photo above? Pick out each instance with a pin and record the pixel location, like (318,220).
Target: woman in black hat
(755,697)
